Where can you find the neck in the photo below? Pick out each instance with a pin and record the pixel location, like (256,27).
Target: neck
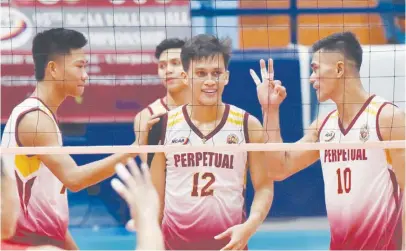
(177,99)
(48,95)
(206,114)
(350,99)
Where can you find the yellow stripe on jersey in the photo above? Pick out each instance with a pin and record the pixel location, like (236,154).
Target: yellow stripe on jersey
(373,108)
(236,114)
(371,111)
(171,123)
(375,104)
(334,114)
(234,121)
(388,157)
(27,165)
(173,116)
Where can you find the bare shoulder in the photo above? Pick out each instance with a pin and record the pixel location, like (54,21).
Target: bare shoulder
(253,122)
(36,121)
(37,128)
(391,122)
(255,130)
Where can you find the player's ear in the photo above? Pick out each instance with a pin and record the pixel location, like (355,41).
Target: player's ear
(226,77)
(184,77)
(340,69)
(52,69)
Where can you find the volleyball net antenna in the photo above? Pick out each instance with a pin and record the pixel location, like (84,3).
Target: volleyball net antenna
(123,71)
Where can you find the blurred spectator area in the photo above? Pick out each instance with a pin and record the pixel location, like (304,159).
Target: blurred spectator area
(274,31)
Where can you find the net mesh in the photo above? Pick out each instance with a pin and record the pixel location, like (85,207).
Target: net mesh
(123,77)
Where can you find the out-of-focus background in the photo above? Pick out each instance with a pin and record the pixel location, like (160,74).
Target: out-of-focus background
(123,79)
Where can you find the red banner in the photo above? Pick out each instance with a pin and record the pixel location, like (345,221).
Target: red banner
(118,88)
(96,3)
(122,67)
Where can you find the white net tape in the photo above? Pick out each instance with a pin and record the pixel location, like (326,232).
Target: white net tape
(190,148)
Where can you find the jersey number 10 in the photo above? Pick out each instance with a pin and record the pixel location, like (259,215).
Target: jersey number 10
(345,181)
(206,190)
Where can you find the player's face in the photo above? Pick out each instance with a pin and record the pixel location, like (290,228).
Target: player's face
(9,207)
(170,69)
(71,73)
(325,75)
(208,76)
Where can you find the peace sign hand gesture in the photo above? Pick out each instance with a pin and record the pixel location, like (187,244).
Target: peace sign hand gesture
(270,92)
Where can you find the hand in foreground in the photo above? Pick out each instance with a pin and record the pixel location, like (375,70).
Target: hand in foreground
(138,191)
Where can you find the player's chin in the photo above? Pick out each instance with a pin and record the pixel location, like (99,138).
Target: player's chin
(209,101)
(321,97)
(174,87)
(79,90)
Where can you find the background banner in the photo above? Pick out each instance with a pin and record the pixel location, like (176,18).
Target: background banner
(122,38)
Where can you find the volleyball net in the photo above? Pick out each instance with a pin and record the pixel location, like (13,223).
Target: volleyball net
(123,71)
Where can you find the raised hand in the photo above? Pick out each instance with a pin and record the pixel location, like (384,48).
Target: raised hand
(270,92)
(137,190)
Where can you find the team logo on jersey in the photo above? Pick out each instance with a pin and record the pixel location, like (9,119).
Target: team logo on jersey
(364,133)
(232,139)
(329,136)
(181,140)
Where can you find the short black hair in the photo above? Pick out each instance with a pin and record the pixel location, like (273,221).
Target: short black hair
(205,46)
(54,42)
(344,42)
(170,43)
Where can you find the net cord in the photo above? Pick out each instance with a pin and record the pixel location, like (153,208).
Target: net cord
(251,147)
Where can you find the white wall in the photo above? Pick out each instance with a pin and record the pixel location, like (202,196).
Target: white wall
(382,73)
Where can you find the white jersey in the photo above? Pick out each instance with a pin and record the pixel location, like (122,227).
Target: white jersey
(158,106)
(362,196)
(204,192)
(43,200)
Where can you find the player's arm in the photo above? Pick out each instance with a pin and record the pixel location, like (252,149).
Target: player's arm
(392,127)
(271,94)
(286,163)
(264,191)
(158,176)
(140,120)
(263,185)
(37,129)
(70,243)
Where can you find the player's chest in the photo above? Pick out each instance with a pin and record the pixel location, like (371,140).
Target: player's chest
(188,136)
(227,160)
(363,130)
(360,131)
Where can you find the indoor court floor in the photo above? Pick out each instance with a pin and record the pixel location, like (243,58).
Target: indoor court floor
(294,234)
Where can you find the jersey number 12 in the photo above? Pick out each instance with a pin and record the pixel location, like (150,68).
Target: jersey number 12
(344,180)
(206,190)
